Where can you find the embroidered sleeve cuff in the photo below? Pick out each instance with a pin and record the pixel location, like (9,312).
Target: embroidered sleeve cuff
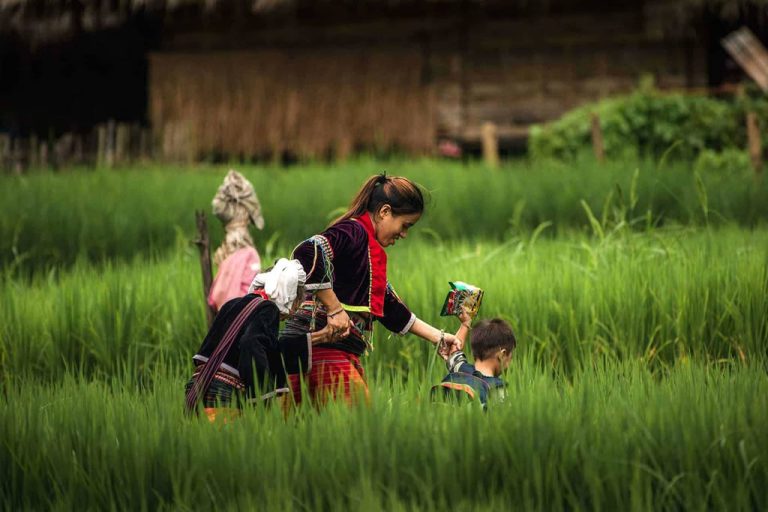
(408,326)
(318,286)
(453,364)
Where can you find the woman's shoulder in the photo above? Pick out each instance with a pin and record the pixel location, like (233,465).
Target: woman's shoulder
(349,227)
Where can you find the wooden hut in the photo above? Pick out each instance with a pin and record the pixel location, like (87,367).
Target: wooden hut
(325,78)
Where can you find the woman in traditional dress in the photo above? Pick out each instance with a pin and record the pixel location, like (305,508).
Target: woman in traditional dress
(347,289)
(240,359)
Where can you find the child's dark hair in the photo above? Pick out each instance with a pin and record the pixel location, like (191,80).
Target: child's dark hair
(491,335)
(401,194)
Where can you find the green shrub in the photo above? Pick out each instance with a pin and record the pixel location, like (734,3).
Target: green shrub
(728,160)
(649,123)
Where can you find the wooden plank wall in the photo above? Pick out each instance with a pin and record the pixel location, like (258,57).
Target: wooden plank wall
(517,73)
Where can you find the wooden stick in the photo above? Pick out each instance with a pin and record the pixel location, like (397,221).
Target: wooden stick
(34,151)
(110,145)
(145,140)
(18,158)
(122,142)
(101,145)
(754,143)
(597,138)
(490,145)
(43,158)
(203,244)
(5,152)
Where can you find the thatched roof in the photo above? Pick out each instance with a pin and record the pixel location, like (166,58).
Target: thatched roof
(41,21)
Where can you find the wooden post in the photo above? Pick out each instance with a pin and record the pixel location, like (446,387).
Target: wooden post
(78,151)
(203,244)
(17,156)
(597,138)
(122,142)
(145,139)
(110,147)
(490,145)
(43,159)
(101,145)
(34,151)
(5,152)
(753,140)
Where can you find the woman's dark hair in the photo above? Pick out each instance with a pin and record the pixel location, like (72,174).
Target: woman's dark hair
(488,336)
(401,194)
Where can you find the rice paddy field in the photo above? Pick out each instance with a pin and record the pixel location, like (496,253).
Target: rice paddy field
(638,293)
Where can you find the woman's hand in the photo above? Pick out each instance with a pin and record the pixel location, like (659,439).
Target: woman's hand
(433,335)
(339,325)
(338,320)
(450,344)
(321,336)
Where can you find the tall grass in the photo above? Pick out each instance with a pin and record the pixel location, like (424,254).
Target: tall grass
(659,296)
(50,219)
(639,382)
(613,437)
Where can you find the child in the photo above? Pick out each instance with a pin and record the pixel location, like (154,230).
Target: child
(492,345)
(240,357)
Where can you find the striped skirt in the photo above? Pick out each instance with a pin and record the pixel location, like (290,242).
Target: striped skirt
(334,374)
(223,398)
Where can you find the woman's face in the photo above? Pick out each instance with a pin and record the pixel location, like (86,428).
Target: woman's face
(390,227)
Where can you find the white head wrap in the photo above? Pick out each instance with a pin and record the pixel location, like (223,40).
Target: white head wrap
(281,283)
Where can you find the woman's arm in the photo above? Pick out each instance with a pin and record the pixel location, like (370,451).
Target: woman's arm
(338,319)
(316,255)
(425,331)
(464,328)
(451,342)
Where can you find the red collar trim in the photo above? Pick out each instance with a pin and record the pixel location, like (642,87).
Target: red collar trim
(261,293)
(378,268)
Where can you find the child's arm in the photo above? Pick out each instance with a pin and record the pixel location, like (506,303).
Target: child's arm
(466,326)
(461,336)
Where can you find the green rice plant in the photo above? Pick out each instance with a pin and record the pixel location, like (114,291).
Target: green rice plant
(609,437)
(49,219)
(659,296)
